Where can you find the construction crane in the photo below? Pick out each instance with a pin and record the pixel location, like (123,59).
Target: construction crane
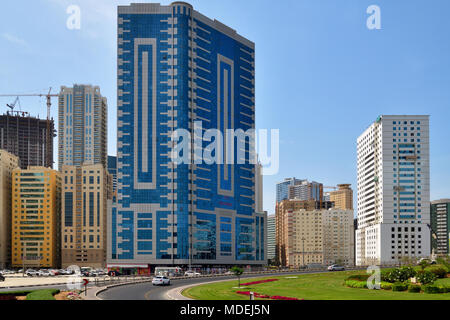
(49,97)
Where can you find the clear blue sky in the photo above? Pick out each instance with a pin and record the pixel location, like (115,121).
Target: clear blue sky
(322,77)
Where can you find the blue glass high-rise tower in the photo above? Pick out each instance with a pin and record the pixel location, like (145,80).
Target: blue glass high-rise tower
(177,67)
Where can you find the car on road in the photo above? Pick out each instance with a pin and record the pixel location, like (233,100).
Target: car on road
(161,281)
(2,278)
(191,274)
(336,267)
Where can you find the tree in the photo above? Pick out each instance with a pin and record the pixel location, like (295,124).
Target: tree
(424,264)
(238,273)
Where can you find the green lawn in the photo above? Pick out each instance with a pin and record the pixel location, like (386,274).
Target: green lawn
(324,286)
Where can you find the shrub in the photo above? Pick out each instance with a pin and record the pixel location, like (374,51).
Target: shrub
(398,275)
(356,284)
(414,288)
(386,285)
(426,277)
(16,293)
(444,289)
(439,272)
(359,277)
(431,289)
(399,286)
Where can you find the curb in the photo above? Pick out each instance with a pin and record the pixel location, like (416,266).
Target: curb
(102,289)
(37,285)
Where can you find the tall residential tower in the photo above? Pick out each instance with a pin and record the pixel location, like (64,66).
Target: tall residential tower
(177,67)
(83,116)
(393,190)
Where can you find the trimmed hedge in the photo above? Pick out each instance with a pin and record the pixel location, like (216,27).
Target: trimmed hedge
(399,286)
(386,285)
(359,277)
(356,284)
(444,289)
(431,289)
(414,288)
(439,272)
(15,293)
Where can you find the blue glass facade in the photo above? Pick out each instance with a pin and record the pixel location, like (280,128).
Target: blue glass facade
(177,67)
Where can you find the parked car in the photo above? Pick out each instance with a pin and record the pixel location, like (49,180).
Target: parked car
(336,267)
(161,281)
(114,274)
(32,273)
(2,278)
(44,273)
(191,274)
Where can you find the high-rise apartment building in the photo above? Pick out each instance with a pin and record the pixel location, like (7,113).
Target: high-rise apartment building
(26,137)
(319,236)
(83,116)
(306,190)
(343,197)
(84,208)
(177,67)
(271,237)
(292,188)
(282,210)
(35,234)
(8,162)
(393,190)
(440,225)
(282,188)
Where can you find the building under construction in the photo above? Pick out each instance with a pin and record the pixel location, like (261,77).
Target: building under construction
(26,137)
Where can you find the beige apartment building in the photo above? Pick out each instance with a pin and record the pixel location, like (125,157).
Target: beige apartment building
(338,230)
(36,207)
(85,192)
(308,234)
(343,197)
(8,162)
(281,211)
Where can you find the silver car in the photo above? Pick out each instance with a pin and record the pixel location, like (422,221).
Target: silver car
(336,267)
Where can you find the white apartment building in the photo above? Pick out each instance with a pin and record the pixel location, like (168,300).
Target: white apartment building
(393,190)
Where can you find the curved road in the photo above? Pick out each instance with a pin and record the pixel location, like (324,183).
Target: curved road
(146,291)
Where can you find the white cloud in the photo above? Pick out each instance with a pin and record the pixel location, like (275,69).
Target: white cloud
(15,40)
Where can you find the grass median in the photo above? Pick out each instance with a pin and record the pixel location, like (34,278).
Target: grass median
(45,294)
(321,286)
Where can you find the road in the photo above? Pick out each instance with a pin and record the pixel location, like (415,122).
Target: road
(146,291)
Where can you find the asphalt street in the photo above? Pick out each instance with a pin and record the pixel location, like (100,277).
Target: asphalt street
(146,291)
